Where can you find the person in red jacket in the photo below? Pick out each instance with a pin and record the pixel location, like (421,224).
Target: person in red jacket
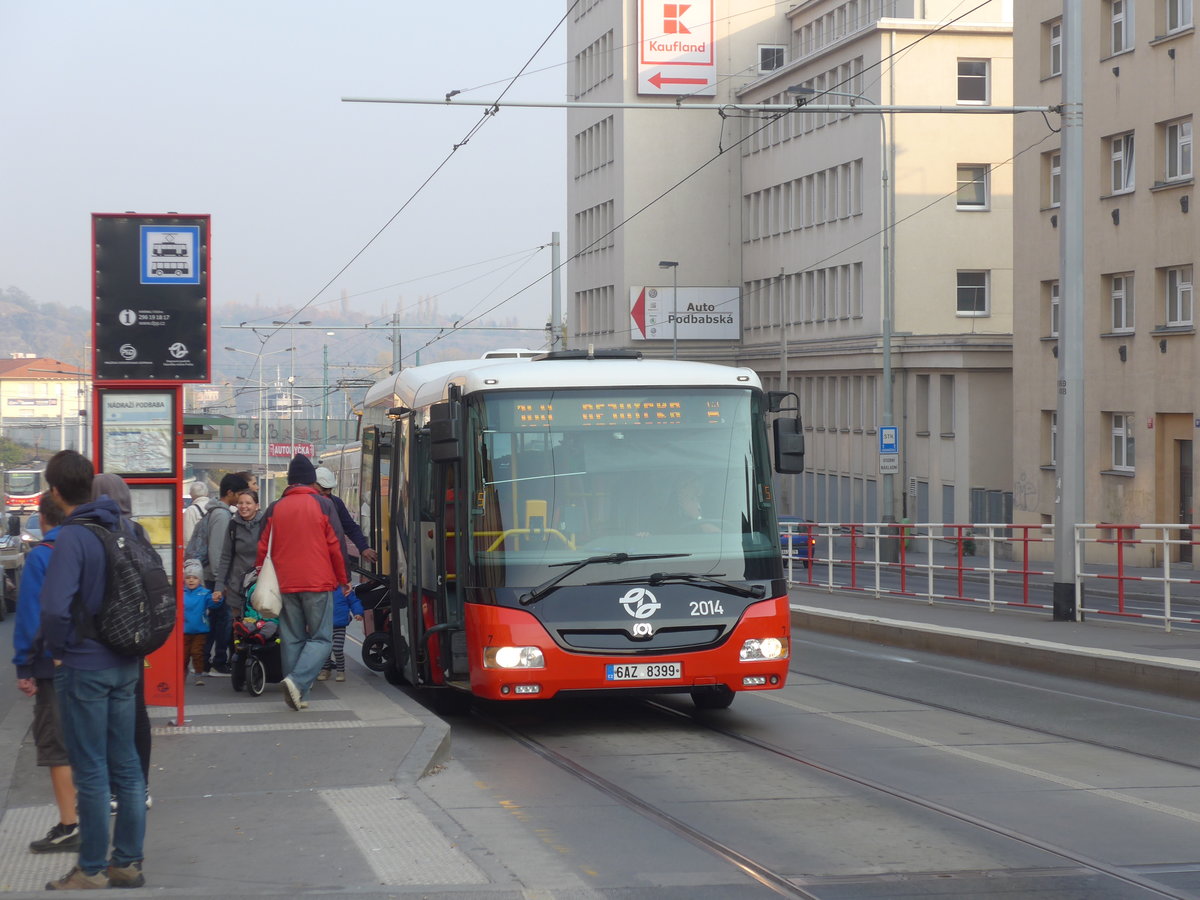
(305,538)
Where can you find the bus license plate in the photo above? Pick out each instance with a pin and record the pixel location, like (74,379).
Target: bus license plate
(643,671)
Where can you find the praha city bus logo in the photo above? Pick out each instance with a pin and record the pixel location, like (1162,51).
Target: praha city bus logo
(640,603)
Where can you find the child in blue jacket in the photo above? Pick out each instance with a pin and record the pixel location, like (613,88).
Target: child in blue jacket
(197,603)
(343,606)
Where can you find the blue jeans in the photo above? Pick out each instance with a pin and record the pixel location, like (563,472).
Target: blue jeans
(98,710)
(220,630)
(306,636)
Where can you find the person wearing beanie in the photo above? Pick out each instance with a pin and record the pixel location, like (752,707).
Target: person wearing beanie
(198,603)
(301,471)
(305,539)
(326,482)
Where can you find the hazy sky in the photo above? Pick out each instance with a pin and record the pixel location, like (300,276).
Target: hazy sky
(233,108)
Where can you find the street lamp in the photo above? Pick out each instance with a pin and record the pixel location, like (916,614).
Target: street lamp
(262,409)
(673,265)
(891,548)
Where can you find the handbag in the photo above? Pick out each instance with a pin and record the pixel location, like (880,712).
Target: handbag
(267,599)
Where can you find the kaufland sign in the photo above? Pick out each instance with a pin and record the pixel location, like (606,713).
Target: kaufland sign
(675,49)
(697,314)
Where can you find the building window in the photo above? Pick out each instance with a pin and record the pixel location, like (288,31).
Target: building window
(1053,31)
(1120,293)
(1179,15)
(1055,306)
(946,406)
(1120,150)
(1177,141)
(972,187)
(1053,417)
(770,58)
(973,81)
(1120,26)
(1053,182)
(1122,441)
(1178,283)
(972,293)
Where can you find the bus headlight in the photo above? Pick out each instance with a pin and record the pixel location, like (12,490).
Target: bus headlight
(764,648)
(513,658)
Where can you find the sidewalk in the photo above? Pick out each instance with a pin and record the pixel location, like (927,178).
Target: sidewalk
(252,798)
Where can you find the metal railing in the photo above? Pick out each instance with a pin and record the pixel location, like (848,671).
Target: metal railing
(1127,572)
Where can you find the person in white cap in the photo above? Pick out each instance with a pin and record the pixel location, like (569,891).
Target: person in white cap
(326,482)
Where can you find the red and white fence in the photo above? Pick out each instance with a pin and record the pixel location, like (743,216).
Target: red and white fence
(1128,572)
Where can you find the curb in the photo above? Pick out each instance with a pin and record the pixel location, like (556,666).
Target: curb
(1163,675)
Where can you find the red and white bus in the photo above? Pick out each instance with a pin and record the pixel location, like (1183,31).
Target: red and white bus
(23,487)
(576,523)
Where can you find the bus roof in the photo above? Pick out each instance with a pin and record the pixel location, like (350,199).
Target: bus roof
(419,386)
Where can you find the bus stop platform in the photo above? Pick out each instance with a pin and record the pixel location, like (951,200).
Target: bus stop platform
(1106,650)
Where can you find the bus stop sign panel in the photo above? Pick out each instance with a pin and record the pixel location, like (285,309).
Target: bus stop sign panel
(151,298)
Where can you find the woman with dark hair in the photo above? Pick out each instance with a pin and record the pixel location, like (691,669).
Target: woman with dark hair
(237,559)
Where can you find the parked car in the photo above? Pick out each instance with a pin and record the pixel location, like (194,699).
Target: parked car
(797,539)
(31,534)
(11,559)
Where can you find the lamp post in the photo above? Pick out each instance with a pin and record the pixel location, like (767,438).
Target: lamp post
(673,265)
(262,403)
(891,547)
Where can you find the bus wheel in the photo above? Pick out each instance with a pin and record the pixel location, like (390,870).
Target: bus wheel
(716,697)
(377,651)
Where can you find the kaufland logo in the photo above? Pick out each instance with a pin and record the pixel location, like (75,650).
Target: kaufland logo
(673,18)
(673,24)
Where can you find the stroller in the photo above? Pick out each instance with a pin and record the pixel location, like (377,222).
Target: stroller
(377,646)
(256,654)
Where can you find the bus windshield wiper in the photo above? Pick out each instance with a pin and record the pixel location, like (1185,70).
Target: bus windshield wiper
(710,581)
(542,590)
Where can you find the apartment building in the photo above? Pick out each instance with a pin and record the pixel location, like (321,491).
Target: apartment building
(1141,239)
(819,221)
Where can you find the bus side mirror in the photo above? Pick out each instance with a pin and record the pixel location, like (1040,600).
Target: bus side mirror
(445,431)
(775,400)
(789,446)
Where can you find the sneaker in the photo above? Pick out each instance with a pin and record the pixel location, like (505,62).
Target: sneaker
(304,704)
(199,682)
(149,799)
(323,675)
(78,880)
(340,676)
(112,804)
(59,839)
(222,672)
(129,876)
(291,693)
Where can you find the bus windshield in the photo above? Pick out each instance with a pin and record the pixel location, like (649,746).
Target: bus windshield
(560,476)
(23,482)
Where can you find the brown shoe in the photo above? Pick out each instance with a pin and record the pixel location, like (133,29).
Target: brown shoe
(323,675)
(129,876)
(341,676)
(78,880)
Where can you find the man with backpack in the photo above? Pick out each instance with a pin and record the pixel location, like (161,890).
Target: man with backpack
(94,684)
(207,545)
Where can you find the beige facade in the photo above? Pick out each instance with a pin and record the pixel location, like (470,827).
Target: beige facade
(43,402)
(796,215)
(1141,64)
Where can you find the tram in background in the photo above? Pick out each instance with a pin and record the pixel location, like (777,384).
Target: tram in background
(23,487)
(579,522)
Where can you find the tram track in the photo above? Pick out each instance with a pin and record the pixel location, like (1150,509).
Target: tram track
(779,882)
(1089,863)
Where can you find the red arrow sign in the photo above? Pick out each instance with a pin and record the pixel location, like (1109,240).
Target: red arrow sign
(638,313)
(658,81)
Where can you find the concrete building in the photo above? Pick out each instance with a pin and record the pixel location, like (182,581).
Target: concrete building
(815,219)
(43,403)
(1142,364)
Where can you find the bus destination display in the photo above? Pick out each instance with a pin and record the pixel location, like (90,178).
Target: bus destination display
(570,413)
